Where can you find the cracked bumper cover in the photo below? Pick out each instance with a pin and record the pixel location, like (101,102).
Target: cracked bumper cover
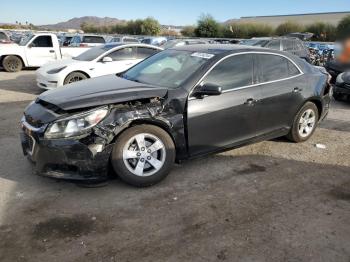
(65,158)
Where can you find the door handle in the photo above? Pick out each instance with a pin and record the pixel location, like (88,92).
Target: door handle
(250,101)
(52,51)
(297,90)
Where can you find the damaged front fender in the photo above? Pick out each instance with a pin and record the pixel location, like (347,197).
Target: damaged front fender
(153,111)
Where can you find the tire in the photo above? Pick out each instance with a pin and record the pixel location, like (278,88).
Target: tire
(12,63)
(74,77)
(301,130)
(128,167)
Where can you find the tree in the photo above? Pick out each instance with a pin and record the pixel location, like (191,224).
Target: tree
(150,26)
(322,31)
(247,30)
(289,27)
(343,28)
(188,31)
(208,27)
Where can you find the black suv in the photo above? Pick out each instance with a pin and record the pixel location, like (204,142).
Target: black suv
(289,44)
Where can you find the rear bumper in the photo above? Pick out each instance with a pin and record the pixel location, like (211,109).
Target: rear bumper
(64,158)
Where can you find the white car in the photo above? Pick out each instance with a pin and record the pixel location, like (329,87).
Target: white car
(100,60)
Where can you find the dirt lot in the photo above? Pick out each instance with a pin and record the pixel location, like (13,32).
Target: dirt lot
(273,201)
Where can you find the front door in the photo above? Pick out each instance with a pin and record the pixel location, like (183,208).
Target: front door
(221,121)
(40,51)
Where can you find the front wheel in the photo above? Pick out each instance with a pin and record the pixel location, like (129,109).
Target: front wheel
(304,124)
(12,63)
(74,77)
(143,155)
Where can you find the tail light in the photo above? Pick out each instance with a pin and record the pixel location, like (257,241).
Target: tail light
(83,45)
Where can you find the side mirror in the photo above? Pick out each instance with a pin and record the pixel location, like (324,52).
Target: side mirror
(208,90)
(107,59)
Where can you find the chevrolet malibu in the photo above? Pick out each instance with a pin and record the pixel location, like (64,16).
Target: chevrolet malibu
(178,104)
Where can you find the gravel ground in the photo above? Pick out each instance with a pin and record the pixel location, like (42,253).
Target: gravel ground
(272,201)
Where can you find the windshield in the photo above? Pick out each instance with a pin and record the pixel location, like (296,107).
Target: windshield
(93,52)
(25,40)
(169,68)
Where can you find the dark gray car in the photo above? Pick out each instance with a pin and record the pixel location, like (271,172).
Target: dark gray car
(175,105)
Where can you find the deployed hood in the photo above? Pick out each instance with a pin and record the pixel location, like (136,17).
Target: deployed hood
(98,91)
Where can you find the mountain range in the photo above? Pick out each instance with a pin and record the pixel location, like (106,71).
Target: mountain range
(75,23)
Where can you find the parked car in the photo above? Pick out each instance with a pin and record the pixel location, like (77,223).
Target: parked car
(65,40)
(335,68)
(123,39)
(87,40)
(34,51)
(181,42)
(291,45)
(177,104)
(4,38)
(158,41)
(101,60)
(341,90)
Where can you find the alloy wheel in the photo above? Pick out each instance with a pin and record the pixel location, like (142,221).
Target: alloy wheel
(144,154)
(307,123)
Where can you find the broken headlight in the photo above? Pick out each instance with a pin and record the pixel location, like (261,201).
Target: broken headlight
(75,125)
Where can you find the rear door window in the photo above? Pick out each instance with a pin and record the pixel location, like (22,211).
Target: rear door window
(274,67)
(233,72)
(126,53)
(144,52)
(274,44)
(288,45)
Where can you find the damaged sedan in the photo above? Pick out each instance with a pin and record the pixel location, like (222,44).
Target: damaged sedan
(178,104)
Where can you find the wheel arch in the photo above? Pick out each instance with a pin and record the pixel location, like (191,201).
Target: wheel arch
(159,123)
(77,71)
(17,55)
(318,104)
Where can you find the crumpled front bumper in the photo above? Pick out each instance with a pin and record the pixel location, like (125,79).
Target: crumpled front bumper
(74,158)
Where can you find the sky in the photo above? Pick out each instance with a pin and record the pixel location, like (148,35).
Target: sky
(175,12)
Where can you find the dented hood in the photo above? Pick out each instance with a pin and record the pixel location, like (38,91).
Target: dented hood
(98,91)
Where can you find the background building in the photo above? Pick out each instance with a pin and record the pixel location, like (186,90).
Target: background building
(304,19)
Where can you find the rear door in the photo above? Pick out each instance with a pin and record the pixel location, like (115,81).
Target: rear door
(281,87)
(41,51)
(215,122)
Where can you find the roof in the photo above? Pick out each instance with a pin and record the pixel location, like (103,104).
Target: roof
(218,48)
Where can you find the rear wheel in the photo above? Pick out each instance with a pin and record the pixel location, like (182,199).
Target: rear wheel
(74,77)
(143,155)
(304,124)
(12,63)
